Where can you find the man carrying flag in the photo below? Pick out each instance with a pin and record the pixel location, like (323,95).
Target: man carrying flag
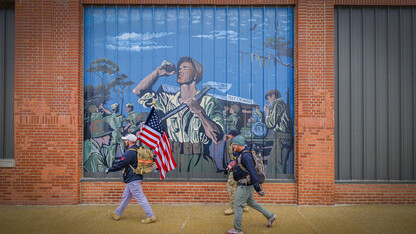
(133,181)
(154,136)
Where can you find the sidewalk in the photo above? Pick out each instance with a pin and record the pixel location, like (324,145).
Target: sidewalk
(208,219)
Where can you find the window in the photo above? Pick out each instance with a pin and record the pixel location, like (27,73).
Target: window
(239,58)
(6,86)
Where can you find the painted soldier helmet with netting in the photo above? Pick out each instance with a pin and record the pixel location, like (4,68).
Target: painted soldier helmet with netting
(92,108)
(100,128)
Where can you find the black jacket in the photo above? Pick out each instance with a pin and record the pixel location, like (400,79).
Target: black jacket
(248,162)
(129,157)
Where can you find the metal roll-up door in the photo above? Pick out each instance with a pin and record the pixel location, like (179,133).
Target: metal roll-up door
(375,70)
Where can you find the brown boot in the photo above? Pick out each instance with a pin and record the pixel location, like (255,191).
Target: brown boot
(149,220)
(246,209)
(114,215)
(229,211)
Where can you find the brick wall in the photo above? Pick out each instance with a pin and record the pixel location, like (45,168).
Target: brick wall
(48,115)
(375,194)
(182,192)
(48,102)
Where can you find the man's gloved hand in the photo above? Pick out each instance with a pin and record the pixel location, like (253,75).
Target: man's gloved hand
(106,171)
(261,193)
(231,165)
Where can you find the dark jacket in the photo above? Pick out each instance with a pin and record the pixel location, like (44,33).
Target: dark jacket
(248,162)
(129,157)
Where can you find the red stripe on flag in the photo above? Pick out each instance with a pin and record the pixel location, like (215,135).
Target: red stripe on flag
(159,143)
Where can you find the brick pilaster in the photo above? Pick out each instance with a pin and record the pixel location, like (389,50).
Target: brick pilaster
(314,78)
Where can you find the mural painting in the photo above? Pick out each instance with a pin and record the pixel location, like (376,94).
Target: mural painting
(206,70)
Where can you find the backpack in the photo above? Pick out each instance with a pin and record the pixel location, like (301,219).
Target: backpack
(144,161)
(258,164)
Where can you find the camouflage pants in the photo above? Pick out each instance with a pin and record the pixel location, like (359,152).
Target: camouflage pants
(231,183)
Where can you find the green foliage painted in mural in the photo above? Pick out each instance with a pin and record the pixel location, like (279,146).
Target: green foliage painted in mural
(120,85)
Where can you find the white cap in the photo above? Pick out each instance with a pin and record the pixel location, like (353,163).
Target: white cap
(130,137)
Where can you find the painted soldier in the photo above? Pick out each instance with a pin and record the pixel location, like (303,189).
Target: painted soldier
(278,120)
(94,156)
(192,129)
(115,121)
(131,120)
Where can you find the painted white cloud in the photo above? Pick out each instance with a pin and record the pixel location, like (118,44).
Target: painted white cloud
(136,48)
(137,41)
(221,34)
(142,36)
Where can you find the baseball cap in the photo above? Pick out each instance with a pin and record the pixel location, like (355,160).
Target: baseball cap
(130,137)
(239,140)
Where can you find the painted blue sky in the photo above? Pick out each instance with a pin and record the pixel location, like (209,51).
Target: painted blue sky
(138,39)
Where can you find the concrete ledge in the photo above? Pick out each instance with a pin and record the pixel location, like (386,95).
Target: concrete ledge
(6,162)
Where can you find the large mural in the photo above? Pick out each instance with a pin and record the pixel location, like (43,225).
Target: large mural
(206,70)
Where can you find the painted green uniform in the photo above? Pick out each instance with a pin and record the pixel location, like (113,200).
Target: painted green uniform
(93,159)
(231,121)
(116,122)
(132,119)
(280,123)
(185,130)
(96,115)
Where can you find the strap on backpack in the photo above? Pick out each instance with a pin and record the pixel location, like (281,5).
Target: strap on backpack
(136,150)
(248,178)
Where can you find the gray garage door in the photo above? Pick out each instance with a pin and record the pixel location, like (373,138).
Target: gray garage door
(375,101)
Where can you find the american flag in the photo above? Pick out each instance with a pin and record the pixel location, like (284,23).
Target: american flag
(153,135)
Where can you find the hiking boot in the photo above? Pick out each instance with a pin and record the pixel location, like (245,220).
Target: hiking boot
(229,211)
(271,220)
(149,220)
(246,209)
(233,231)
(113,215)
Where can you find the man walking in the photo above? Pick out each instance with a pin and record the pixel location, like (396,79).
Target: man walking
(132,180)
(245,174)
(231,183)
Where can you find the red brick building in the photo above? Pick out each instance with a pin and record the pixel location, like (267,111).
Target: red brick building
(48,114)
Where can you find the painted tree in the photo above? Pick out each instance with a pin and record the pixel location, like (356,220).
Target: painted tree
(104,69)
(273,48)
(120,84)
